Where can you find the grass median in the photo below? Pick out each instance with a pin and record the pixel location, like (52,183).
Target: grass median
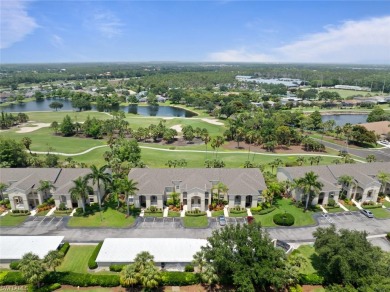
(195,221)
(9,221)
(76,259)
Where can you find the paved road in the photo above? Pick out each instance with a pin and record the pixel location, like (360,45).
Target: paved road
(382,154)
(173,229)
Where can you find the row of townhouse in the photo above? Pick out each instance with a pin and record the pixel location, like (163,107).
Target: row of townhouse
(365,185)
(195,186)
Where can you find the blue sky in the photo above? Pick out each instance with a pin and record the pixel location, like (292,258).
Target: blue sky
(219,31)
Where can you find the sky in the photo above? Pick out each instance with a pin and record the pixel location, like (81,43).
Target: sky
(195,31)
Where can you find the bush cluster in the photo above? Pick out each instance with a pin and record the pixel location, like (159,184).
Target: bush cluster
(89,210)
(116,268)
(92,260)
(11,278)
(16,213)
(263,211)
(189,268)
(179,278)
(64,248)
(296,288)
(237,210)
(284,219)
(62,212)
(331,203)
(195,213)
(82,280)
(310,279)
(14,265)
(153,209)
(46,205)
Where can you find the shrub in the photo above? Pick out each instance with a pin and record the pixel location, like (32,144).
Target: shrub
(82,280)
(331,203)
(296,288)
(256,209)
(116,268)
(17,213)
(310,279)
(292,163)
(237,210)
(265,211)
(50,288)
(368,203)
(179,278)
(13,278)
(92,260)
(62,207)
(195,213)
(388,236)
(283,219)
(64,248)
(14,265)
(153,209)
(189,268)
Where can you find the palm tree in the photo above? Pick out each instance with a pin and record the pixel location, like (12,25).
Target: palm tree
(128,276)
(251,136)
(199,261)
(32,269)
(346,180)
(97,176)
(80,191)
(312,160)
(216,143)
(209,275)
(53,259)
(151,276)
(45,186)
(206,139)
(3,187)
(370,158)
(318,159)
(310,186)
(26,141)
(384,178)
(220,188)
(129,187)
(301,160)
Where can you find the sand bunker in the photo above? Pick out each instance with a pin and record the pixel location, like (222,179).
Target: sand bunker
(214,122)
(178,128)
(33,127)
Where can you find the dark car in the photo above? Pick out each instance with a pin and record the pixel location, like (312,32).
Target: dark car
(367,213)
(222,220)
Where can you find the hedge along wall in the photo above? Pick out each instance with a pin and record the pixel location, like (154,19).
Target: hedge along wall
(92,260)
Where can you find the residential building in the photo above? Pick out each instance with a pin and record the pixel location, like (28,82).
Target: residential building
(364,187)
(196,186)
(23,185)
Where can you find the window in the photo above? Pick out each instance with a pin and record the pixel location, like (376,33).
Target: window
(184,195)
(131,200)
(369,194)
(91,200)
(18,200)
(177,187)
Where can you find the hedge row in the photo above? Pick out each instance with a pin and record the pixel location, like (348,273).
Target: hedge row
(92,260)
(82,280)
(64,248)
(372,206)
(11,278)
(116,268)
(310,279)
(264,211)
(179,278)
(14,265)
(193,214)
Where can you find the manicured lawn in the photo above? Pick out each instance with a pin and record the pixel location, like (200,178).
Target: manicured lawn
(173,214)
(380,213)
(76,259)
(43,213)
(308,252)
(334,210)
(9,220)
(217,213)
(241,214)
(387,204)
(154,214)
(285,205)
(195,221)
(111,218)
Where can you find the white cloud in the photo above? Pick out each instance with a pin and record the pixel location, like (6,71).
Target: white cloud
(364,41)
(15,23)
(107,23)
(241,55)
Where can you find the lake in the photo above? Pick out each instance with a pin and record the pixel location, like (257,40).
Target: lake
(155,111)
(342,119)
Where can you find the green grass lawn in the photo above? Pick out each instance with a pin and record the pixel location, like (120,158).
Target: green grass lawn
(380,213)
(334,210)
(173,214)
(9,220)
(241,214)
(308,252)
(387,204)
(43,213)
(217,213)
(76,259)
(285,205)
(111,218)
(195,221)
(48,117)
(153,214)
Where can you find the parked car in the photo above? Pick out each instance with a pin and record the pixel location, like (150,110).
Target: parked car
(222,220)
(367,213)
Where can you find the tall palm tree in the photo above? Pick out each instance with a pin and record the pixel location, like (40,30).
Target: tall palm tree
(128,276)
(129,187)
(81,190)
(98,176)
(346,180)
(310,186)
(301,160)
(216,143)
(384,178)
(45,186)
(220,188)
(53,259)
(250,136)
(206,139)
(32,269)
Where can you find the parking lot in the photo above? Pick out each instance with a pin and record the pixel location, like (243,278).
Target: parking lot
(157,223)
(49,222)
(344,217)
(229,221)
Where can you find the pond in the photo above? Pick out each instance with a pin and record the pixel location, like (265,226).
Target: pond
(155,111)
(342,119)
